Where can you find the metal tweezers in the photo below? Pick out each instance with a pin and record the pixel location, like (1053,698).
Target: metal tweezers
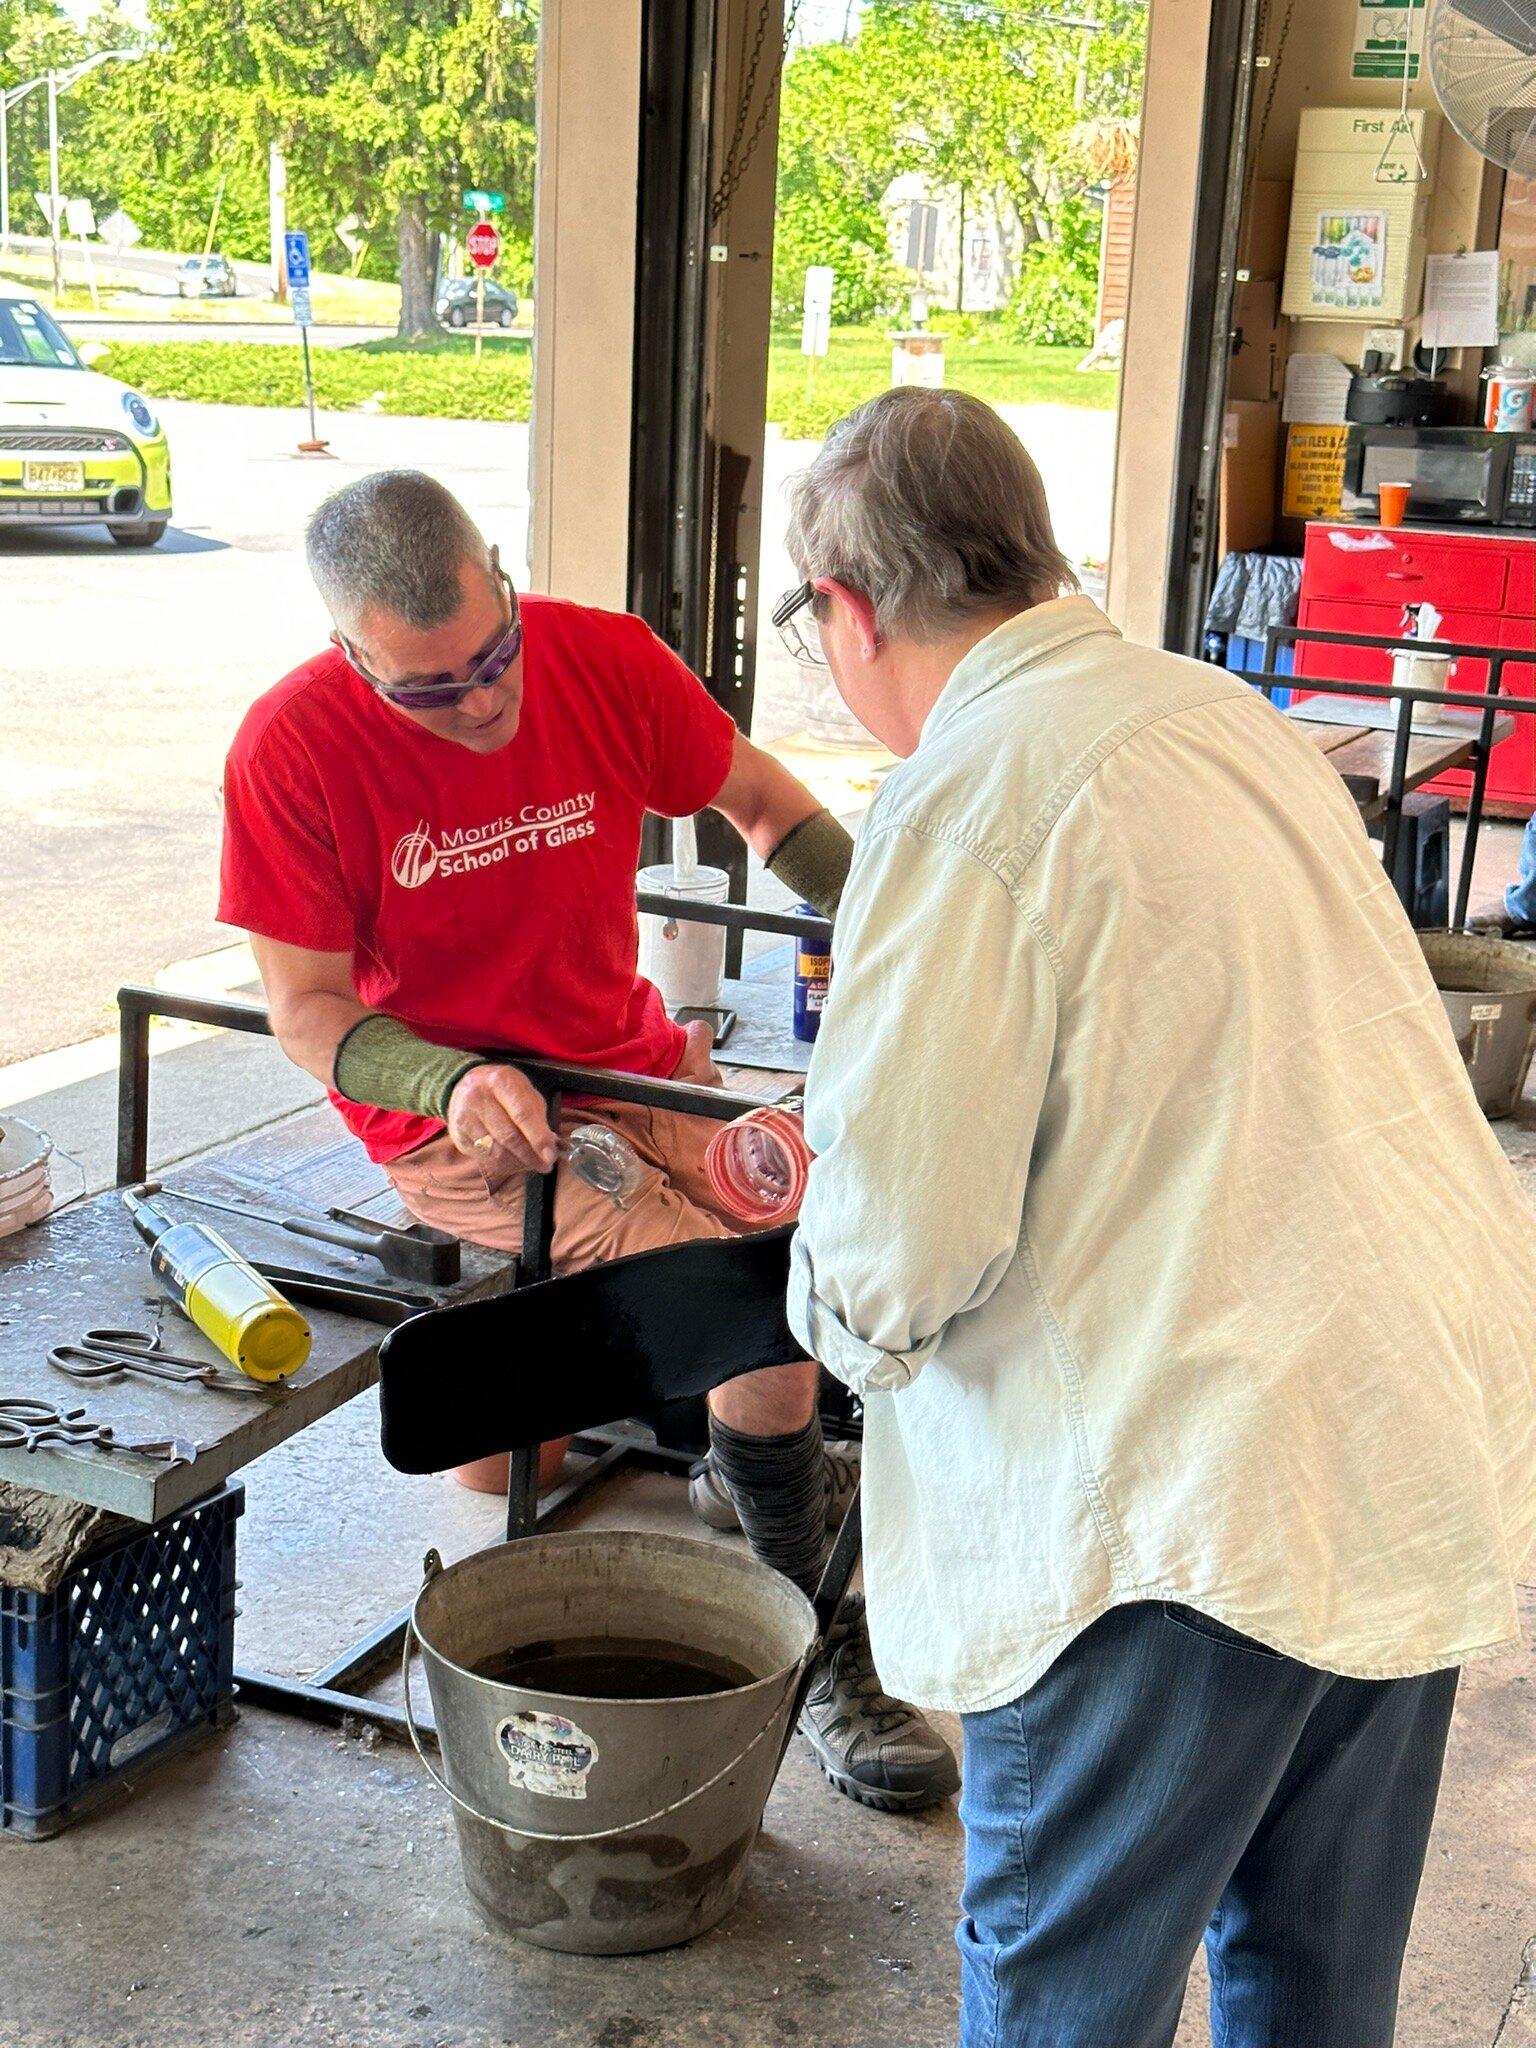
(39,1425)
(105,1354)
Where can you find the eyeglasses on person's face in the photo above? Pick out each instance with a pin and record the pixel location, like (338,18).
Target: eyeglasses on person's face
(797,624)
(443,692)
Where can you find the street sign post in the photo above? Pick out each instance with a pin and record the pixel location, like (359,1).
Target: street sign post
(80,219)
(482,245)
(296,270)
(816,327)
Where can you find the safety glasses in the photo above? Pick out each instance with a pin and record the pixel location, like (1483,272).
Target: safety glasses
(442,692)
(797,625)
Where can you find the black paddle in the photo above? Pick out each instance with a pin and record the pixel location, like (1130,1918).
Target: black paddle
(583,1350)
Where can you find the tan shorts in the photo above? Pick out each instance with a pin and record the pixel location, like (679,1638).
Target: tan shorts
(445,1187)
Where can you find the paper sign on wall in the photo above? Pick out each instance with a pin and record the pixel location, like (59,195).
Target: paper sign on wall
(1383,32)
(1461,300)
(1349,260)
(1316,388)
(1314,472)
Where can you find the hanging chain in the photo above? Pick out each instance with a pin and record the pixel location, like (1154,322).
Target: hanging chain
(740,154)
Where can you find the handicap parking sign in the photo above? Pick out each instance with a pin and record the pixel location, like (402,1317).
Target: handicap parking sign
(296,260)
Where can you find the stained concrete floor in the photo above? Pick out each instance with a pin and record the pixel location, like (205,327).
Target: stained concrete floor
(286,1887)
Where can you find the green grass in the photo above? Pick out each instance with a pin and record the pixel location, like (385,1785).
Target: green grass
(439,378)
(434,379)
(859,364)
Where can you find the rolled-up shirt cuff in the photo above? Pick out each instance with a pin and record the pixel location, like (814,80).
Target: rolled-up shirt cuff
(863,1366)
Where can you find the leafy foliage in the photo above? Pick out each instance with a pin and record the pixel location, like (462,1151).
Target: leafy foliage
(1055,300)
(438,380)
(986,99)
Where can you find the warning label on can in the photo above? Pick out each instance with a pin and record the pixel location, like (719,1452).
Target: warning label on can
(546,1754)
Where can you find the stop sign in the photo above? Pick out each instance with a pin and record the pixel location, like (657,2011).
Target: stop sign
(483,245)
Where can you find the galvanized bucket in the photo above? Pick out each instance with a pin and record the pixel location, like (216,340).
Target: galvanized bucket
(1488,988)
(607,1826)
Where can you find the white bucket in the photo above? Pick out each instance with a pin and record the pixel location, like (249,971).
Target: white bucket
(26,1194)
(1412,670)
(684,959)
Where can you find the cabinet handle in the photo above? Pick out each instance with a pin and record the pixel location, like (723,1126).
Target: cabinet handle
(1404,576)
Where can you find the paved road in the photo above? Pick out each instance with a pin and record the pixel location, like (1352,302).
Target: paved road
(146,263)
(124,674)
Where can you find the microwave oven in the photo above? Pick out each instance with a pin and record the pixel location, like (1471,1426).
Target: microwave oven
(1456,476)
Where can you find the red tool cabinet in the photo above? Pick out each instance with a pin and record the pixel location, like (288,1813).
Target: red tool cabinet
(1357,579)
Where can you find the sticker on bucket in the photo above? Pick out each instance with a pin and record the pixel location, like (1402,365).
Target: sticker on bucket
(1486,1013)
(546,1754)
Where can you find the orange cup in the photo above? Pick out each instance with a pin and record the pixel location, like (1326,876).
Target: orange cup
(1393,502)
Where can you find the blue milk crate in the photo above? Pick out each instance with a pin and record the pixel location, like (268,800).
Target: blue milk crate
(1245,655)
(129,1658)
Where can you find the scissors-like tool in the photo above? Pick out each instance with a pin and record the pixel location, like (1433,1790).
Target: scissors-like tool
(39,1425)
(104,1354)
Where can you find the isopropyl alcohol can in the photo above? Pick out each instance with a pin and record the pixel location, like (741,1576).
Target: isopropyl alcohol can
(813,977)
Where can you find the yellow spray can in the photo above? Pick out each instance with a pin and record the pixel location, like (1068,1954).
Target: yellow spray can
(229,1301)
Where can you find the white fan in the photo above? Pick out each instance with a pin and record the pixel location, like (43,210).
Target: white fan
(1482,65)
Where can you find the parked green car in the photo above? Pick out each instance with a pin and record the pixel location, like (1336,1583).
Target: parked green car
(76,448)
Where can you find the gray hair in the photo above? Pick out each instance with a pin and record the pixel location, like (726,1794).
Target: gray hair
(928,505)
(395,541)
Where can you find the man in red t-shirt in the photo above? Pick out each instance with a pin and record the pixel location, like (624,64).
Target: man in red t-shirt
(431,835)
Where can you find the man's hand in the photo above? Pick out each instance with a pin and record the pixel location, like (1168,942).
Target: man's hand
(697,1063)
(496,1110)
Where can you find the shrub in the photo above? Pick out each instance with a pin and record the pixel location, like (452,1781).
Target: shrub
(1055,302)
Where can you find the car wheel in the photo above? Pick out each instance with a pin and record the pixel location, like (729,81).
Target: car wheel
(456,316)
(506,316)
(146,536)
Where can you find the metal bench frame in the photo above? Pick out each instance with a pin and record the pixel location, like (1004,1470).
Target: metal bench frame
(329,1696)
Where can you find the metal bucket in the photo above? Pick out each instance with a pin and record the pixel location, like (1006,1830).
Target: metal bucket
(607,1826)
(1488,988)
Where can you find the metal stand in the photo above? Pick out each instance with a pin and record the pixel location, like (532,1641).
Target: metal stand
(329,1697)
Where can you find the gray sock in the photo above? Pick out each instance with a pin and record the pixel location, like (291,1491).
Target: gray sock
(779,1488)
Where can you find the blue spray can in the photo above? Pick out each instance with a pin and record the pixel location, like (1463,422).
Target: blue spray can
(813,975)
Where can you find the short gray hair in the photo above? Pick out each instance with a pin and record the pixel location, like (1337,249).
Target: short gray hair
(926,503)
(394,541)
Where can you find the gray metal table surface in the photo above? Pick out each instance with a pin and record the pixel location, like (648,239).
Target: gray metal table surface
(86,1267)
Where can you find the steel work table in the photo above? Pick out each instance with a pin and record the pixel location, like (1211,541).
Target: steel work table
(1357,737)
(86,1267)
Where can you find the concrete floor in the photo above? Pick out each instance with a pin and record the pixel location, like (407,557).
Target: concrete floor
(287,1887)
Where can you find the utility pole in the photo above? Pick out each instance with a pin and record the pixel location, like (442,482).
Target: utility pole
(277,220)
(55,193)
(5,177)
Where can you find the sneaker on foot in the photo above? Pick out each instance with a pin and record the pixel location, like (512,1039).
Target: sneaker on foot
(712,1503)
(872,1747)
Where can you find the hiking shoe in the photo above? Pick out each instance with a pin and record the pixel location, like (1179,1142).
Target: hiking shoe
(712,1503)
(874,1748)
(1498,924)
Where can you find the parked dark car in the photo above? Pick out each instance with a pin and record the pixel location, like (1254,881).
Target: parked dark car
(456,303)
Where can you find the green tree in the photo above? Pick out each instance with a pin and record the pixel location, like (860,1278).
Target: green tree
(383,108)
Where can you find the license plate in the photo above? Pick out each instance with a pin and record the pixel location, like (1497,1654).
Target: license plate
(53,476)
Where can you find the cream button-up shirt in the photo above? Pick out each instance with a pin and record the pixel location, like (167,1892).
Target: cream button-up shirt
(1152,1212)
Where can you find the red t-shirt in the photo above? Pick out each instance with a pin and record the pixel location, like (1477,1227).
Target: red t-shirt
(488,901)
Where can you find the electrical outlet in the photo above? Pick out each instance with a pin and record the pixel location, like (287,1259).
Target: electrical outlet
(1389,343)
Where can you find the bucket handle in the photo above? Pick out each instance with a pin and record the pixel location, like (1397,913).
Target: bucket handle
(597,1834)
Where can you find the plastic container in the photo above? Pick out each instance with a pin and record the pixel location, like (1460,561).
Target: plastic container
(1488,988)
(26,1194)
(685,960)
(129,1660)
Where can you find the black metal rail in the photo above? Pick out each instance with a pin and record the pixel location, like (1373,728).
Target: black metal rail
(328,1696)
(1489,702)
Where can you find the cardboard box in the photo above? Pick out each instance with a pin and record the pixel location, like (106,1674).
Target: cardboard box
(1258,343)
(1249,447)
(1314,472)
(1266,223)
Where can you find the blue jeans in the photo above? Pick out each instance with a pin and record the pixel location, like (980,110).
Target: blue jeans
(1520,897)
(1168,1778)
